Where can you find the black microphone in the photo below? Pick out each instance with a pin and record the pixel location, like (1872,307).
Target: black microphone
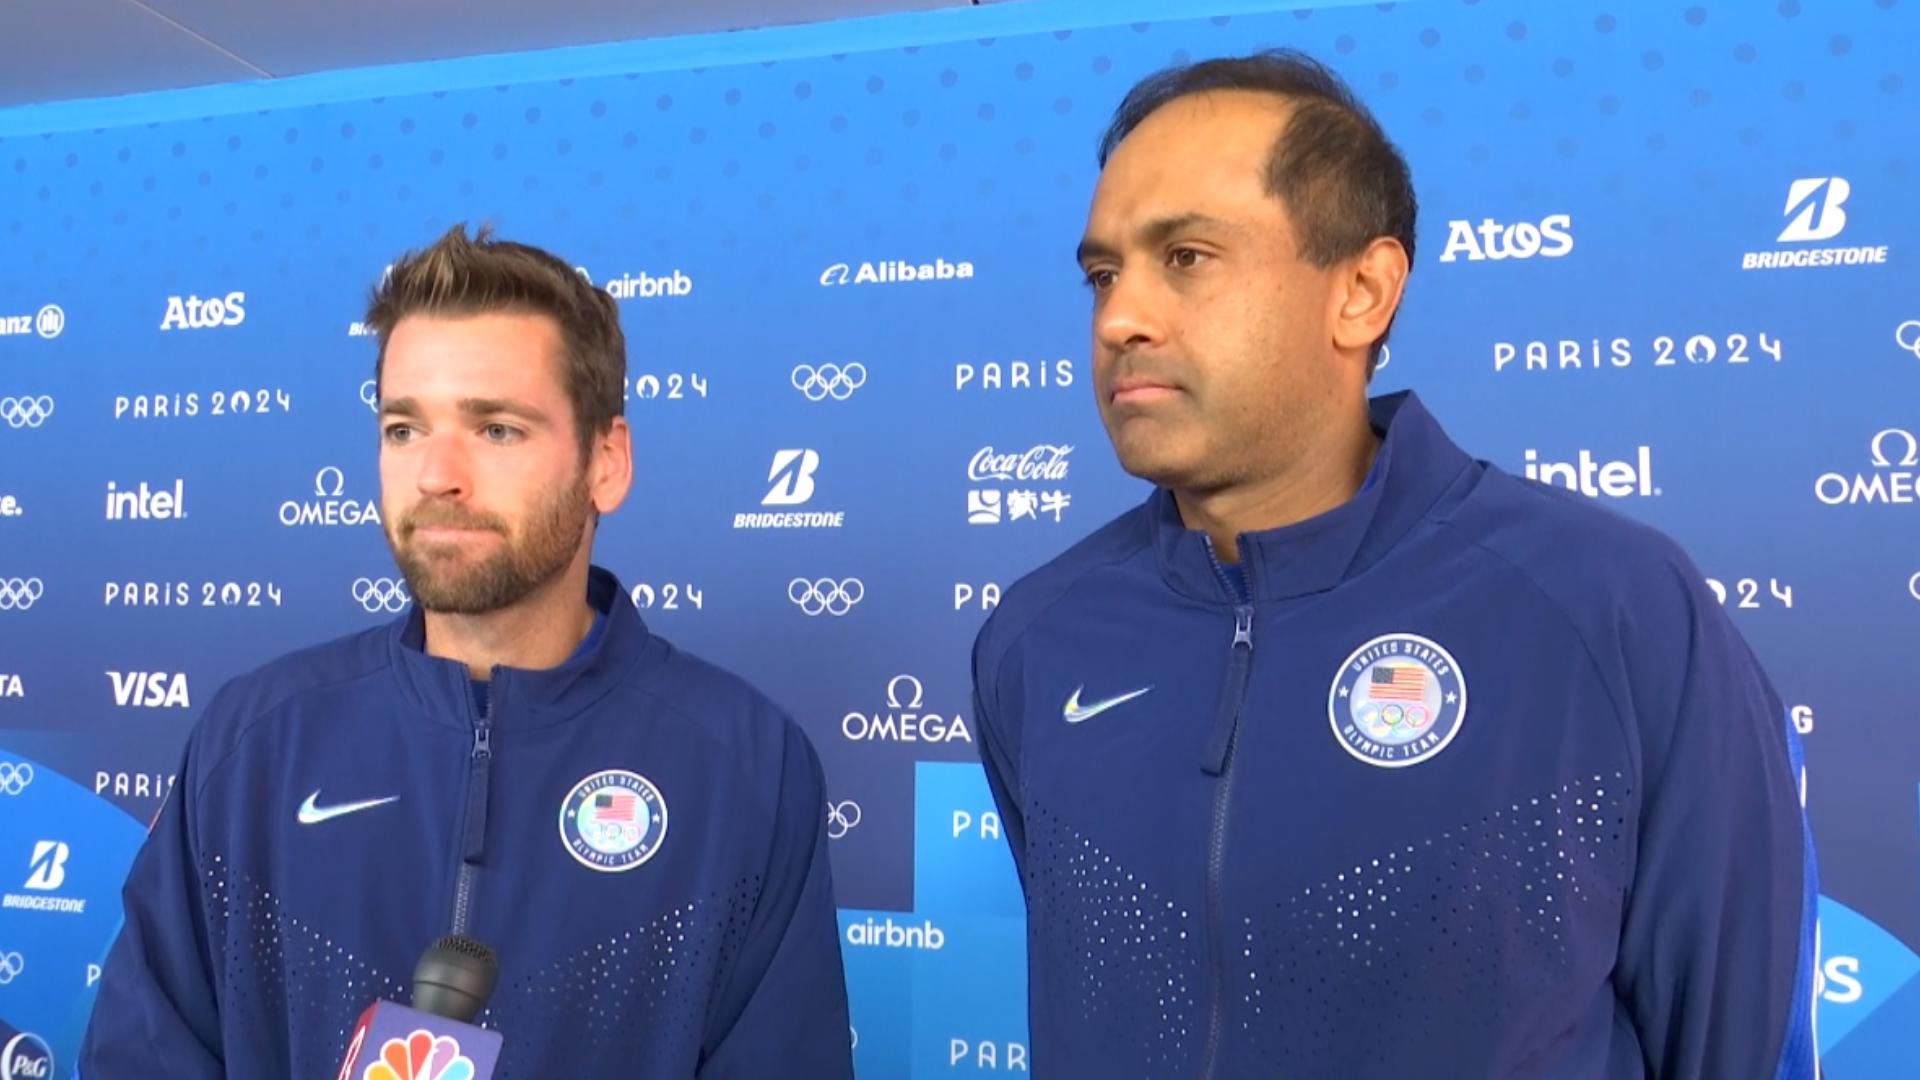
(434,1037)
(455,978)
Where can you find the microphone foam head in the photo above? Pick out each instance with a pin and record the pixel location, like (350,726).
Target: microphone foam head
(455,978)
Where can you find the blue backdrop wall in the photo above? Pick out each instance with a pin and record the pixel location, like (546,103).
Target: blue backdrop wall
(1664,257)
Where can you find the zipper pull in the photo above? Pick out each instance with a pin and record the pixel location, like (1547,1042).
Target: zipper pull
(474,845)
(1233,694)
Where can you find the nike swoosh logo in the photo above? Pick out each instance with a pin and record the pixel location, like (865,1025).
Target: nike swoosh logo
(1075,712)
(314,815)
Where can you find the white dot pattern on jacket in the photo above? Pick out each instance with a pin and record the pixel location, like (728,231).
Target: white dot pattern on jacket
(1446,932)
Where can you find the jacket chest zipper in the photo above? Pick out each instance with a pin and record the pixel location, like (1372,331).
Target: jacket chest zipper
(473,843)
(1218,763)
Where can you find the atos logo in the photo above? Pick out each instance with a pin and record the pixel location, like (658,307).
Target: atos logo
(193,313)
(1492,240)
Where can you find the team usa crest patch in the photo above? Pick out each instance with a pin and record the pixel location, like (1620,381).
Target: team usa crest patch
(613,820)
(1397,701)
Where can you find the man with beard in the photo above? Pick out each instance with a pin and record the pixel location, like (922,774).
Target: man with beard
(343,807)
(1345,754)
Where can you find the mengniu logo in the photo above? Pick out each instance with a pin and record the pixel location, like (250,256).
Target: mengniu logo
(420,1056)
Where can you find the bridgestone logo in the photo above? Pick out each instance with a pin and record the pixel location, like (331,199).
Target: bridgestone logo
(813,519)
(62,904)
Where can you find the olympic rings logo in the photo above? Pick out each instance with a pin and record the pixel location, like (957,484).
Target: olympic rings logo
(25,412)
(1907,336)
(19,594)
(842,817)
(14,777)
(381,594)
(829,380)
(825,595)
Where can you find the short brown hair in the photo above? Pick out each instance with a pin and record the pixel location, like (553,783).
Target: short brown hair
(457,276)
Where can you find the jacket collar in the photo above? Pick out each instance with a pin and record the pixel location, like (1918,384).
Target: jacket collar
(521,697)
(1417,463)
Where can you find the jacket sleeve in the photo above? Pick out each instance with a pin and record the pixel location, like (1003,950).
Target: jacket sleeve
(782,1008)
(156,1016)
(1717,956)
(999,752)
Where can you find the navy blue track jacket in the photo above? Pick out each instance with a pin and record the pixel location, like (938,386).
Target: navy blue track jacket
(1478,782)
(639,835)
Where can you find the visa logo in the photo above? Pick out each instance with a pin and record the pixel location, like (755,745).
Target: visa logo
(150,689)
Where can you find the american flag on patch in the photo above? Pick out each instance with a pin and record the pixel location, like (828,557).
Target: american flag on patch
(615,806)
(1398,682)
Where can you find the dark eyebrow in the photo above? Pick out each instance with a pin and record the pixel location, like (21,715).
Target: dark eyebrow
(1091,249)
(478,407)
(474,407)
(405,406)
(1153,234)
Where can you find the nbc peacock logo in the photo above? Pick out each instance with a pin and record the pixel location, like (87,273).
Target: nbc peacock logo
(420,1056)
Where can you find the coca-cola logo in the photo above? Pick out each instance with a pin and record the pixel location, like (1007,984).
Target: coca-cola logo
(1044,462)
